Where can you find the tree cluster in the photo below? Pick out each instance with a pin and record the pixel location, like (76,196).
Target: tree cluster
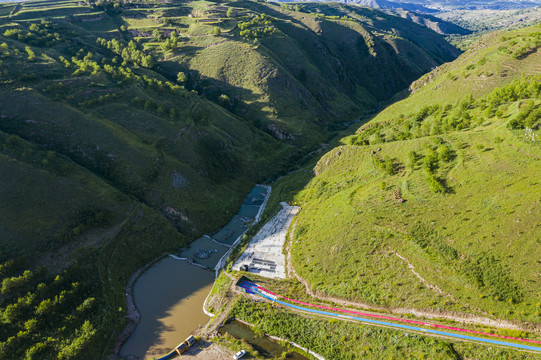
(37,34)
(129,53)
(257,27)
(46,317)
(170,43)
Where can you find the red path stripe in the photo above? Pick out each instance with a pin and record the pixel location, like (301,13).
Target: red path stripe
(401,320)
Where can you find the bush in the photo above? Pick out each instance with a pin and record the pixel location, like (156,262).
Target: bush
(412,159)
(435,184)
(444,153)
(430,162)
(390,167)
(488,274)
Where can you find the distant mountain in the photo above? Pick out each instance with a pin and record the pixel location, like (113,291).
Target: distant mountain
(474,4)
(432,22)
(385,4)
(434,6)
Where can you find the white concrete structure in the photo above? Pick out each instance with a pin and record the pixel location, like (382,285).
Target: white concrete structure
(263,255)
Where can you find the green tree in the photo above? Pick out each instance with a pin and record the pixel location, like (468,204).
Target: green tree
(31,54)
(181,77)
(224,100)
(444,154)
(157,34)
(84,334)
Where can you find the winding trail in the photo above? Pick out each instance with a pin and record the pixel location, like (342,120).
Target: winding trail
(369,318)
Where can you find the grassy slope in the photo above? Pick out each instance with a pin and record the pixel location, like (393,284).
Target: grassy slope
(352,223)
(311,73)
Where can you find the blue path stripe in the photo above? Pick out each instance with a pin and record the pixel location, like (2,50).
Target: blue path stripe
(407,327)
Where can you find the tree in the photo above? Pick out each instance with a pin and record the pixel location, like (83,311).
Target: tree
(84,334)
(430,162)
(216,31)
(444,154)
(224,100)
(31,54)
(229,12)
(147,61)
(181,77)
(158,35)
(412,159)
(149,104)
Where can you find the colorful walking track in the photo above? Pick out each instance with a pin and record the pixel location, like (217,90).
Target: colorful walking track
(252,288)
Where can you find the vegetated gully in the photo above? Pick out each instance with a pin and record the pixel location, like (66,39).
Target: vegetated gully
(252,288)
(170,294)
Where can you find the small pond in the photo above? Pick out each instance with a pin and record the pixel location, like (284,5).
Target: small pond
(264,345)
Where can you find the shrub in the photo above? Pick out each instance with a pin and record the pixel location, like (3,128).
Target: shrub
(390,167)
(430,162)
(412,159)
(444,153)
(435,184)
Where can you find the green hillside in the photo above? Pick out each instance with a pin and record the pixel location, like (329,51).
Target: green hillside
(127,129)
(434,203)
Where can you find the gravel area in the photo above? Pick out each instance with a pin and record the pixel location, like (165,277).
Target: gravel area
(264,256)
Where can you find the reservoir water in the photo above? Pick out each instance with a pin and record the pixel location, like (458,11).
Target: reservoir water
(170,298)
(171,293)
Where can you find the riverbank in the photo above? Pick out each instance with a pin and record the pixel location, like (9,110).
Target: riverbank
(133,314)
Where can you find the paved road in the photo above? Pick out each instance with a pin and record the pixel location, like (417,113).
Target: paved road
(253,288)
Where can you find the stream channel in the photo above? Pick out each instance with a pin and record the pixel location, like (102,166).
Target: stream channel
(171,293)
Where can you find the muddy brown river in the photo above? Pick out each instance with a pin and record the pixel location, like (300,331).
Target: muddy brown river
(170,297)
